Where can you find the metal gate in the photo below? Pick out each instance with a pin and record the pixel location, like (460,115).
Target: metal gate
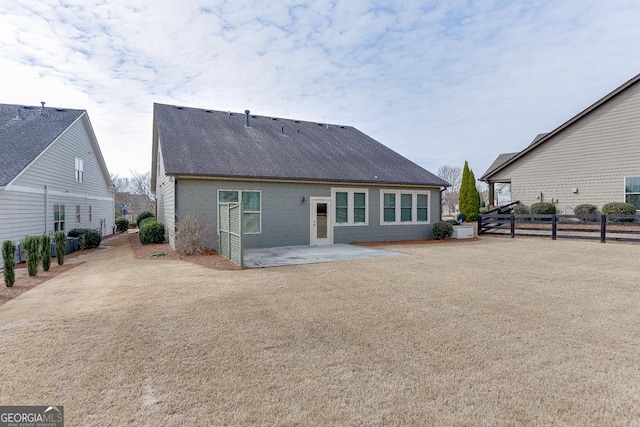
(230,232)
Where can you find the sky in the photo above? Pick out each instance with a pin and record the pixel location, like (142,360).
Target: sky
(440,82)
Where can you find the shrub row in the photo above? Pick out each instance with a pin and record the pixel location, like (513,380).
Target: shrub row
(613,208)
(9,262)
(88,237)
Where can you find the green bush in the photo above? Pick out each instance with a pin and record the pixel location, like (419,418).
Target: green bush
(442,230)
(143,215)
(61,245)
(31,245)
(45,251)
(151,232)
(543,208)
(585,209)
(145,220)
(619,208)
(469,196)
(88,237)
(520,209)
(9,262)
(122,224)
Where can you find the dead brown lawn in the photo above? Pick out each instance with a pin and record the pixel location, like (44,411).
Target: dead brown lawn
(494,331)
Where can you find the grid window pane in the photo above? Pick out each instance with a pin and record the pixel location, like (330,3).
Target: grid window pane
(228,197)
(251,222)
(359,200)
(405,205)
(632,184)
(359,215)
(423,212)
(634,199)
(389,207)
(251,201)
(342,207)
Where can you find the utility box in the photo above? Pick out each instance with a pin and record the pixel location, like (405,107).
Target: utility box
(462,232)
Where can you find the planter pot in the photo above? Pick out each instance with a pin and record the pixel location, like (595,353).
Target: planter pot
(462,232)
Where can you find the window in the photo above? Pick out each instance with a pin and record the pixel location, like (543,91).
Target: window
(404,207)
(79,170)
(632,190)
(350,205)
(251,207)
(58,217)
(78,214)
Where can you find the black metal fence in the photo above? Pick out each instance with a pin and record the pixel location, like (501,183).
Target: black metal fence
(593,227)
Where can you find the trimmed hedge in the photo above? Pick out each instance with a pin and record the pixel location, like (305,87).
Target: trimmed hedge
(61,245)
(585,209)
(520,209)
(9,262)
(122,224)
(143,215)
(145,220)
(45,251)
(151,232)
(619,208)
(442,230)
(88,237)
(31,245)
(543,208)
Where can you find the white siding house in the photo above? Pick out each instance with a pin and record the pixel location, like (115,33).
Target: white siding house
(52,173)
(592,158)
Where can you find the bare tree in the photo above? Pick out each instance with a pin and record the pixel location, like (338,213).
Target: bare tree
(133,193)
(450,196)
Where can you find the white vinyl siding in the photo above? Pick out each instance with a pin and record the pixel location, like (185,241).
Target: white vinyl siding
(404,207)
(165,198)
(351,206)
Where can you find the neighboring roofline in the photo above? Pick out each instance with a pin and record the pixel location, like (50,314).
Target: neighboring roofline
(19,174)
(298,181)
(486,177)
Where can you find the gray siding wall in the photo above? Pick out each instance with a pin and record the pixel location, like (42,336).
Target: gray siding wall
(165,199)
(22,203)
(593,155)
(286,220)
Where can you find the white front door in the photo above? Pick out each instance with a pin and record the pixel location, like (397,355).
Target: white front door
(321,222)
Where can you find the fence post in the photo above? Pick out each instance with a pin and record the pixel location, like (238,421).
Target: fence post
(513,226)
(603,228)
(480,224)
(554,224)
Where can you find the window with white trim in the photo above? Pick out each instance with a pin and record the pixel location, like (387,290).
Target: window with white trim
(79,170)
(251,207)
(404,207)
(632,190)
(58,217)
(78,221)
(351,206)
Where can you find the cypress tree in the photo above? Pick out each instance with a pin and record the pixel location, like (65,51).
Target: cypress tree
(469,196)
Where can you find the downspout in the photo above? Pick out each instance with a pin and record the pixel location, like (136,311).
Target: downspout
(440,201)
(46,205)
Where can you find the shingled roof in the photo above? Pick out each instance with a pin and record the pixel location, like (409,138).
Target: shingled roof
(197,142)
(25,132)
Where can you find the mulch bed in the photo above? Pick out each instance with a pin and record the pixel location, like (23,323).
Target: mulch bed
(209,259)
(415,242)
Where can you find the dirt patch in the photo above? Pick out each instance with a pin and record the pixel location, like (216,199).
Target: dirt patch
(24,282)
(210,259)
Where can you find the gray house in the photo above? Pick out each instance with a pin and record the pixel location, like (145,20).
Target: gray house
(594,157)
(301,183)
(52,173)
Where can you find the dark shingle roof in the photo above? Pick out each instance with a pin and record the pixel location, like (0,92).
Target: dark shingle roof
(21,141)
(217,143)
(499,161)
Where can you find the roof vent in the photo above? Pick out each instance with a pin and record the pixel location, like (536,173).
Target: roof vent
(180,108)
(282,129)
(296,121)
(208,111)
(18,115)
(42,108)
(274,118)
(319,124)
(229,114)
(246,117)
(298,130)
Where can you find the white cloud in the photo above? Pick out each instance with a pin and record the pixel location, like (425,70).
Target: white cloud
(440,82)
